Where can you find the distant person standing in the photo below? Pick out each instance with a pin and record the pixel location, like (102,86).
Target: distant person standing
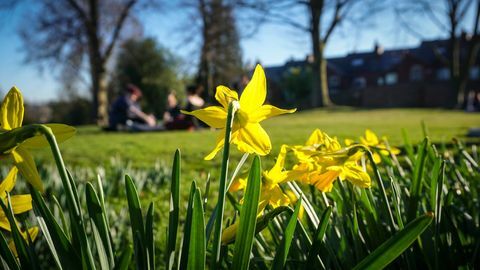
(125,113)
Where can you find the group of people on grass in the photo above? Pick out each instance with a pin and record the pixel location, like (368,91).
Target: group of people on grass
(125,113)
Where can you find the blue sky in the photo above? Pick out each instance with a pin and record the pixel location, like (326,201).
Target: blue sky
(272,45)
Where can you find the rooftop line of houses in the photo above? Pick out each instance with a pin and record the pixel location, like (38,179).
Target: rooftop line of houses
(407,77)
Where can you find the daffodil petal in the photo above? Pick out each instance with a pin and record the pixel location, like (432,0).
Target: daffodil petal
(213,116)
(277,197)
(9,182)
(33,232)
(238,184)
(267,111)
(21,203)
(12,110)
(370,138)
(324,181)
(4,224)
(224,95)
(255,92)
(218,146)
(253,139)
(357,176)
(26,166)
(62,133)
(349,142)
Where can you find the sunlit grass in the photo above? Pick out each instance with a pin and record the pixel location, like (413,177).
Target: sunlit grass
(144,149)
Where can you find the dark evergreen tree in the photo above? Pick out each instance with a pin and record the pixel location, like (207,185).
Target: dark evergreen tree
(152,68)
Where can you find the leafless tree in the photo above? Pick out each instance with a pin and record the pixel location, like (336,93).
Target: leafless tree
(450,17)
(212,26)
(80,33)
(320,20)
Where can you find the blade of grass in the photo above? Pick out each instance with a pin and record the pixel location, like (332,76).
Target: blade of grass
(149,237)
(124,261)
(174,211)
(318,236)
(20,244)
(7,255)
(248,217)
(197,249)
(136,221)
(282,251)
(416,186)
(187,229)
(97,216)
(62,245)
(396,245)
(102,253)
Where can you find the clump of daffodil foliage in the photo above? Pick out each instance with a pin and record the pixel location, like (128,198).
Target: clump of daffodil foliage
(324,205)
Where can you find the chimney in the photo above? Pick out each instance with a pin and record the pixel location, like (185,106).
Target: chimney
(378,49)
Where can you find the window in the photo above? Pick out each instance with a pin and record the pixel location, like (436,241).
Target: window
(416,73)
(475,73)
(359,82)
(391,78)
(380,81)
(333,81)
(443,74)
(357,62)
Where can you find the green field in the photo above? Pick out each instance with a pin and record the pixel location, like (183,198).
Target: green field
(92,147)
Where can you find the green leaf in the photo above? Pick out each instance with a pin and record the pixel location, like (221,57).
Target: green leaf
(319,234)
(124,261)
(174,211)
(416,186)
(282,251)
(248,217)
(149,237)
(62,246)
(7,255)
(20,244)
(99,219)
(197,249)
(136,221)
(102,253)
(396,245)
(187,228)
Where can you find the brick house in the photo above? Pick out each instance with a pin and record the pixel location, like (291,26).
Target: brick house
(410,77)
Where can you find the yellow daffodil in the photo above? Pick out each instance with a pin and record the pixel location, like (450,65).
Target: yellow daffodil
(11,118)
(20,203)
(371,140)
(247,133)
(322,160)
(271,192)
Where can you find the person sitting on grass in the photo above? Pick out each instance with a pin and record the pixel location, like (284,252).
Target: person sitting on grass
(194,102)
(173,119)
(126,115)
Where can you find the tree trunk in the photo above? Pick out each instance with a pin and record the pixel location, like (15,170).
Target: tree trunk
(99,96)
(326,102)
(315,35)
(319,94)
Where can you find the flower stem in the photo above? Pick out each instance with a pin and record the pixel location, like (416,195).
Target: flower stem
(221,191)
(78,226)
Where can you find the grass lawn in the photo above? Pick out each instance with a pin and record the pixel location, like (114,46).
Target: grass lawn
(92,147)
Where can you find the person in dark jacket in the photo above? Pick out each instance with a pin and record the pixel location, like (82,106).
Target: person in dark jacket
(125,113)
